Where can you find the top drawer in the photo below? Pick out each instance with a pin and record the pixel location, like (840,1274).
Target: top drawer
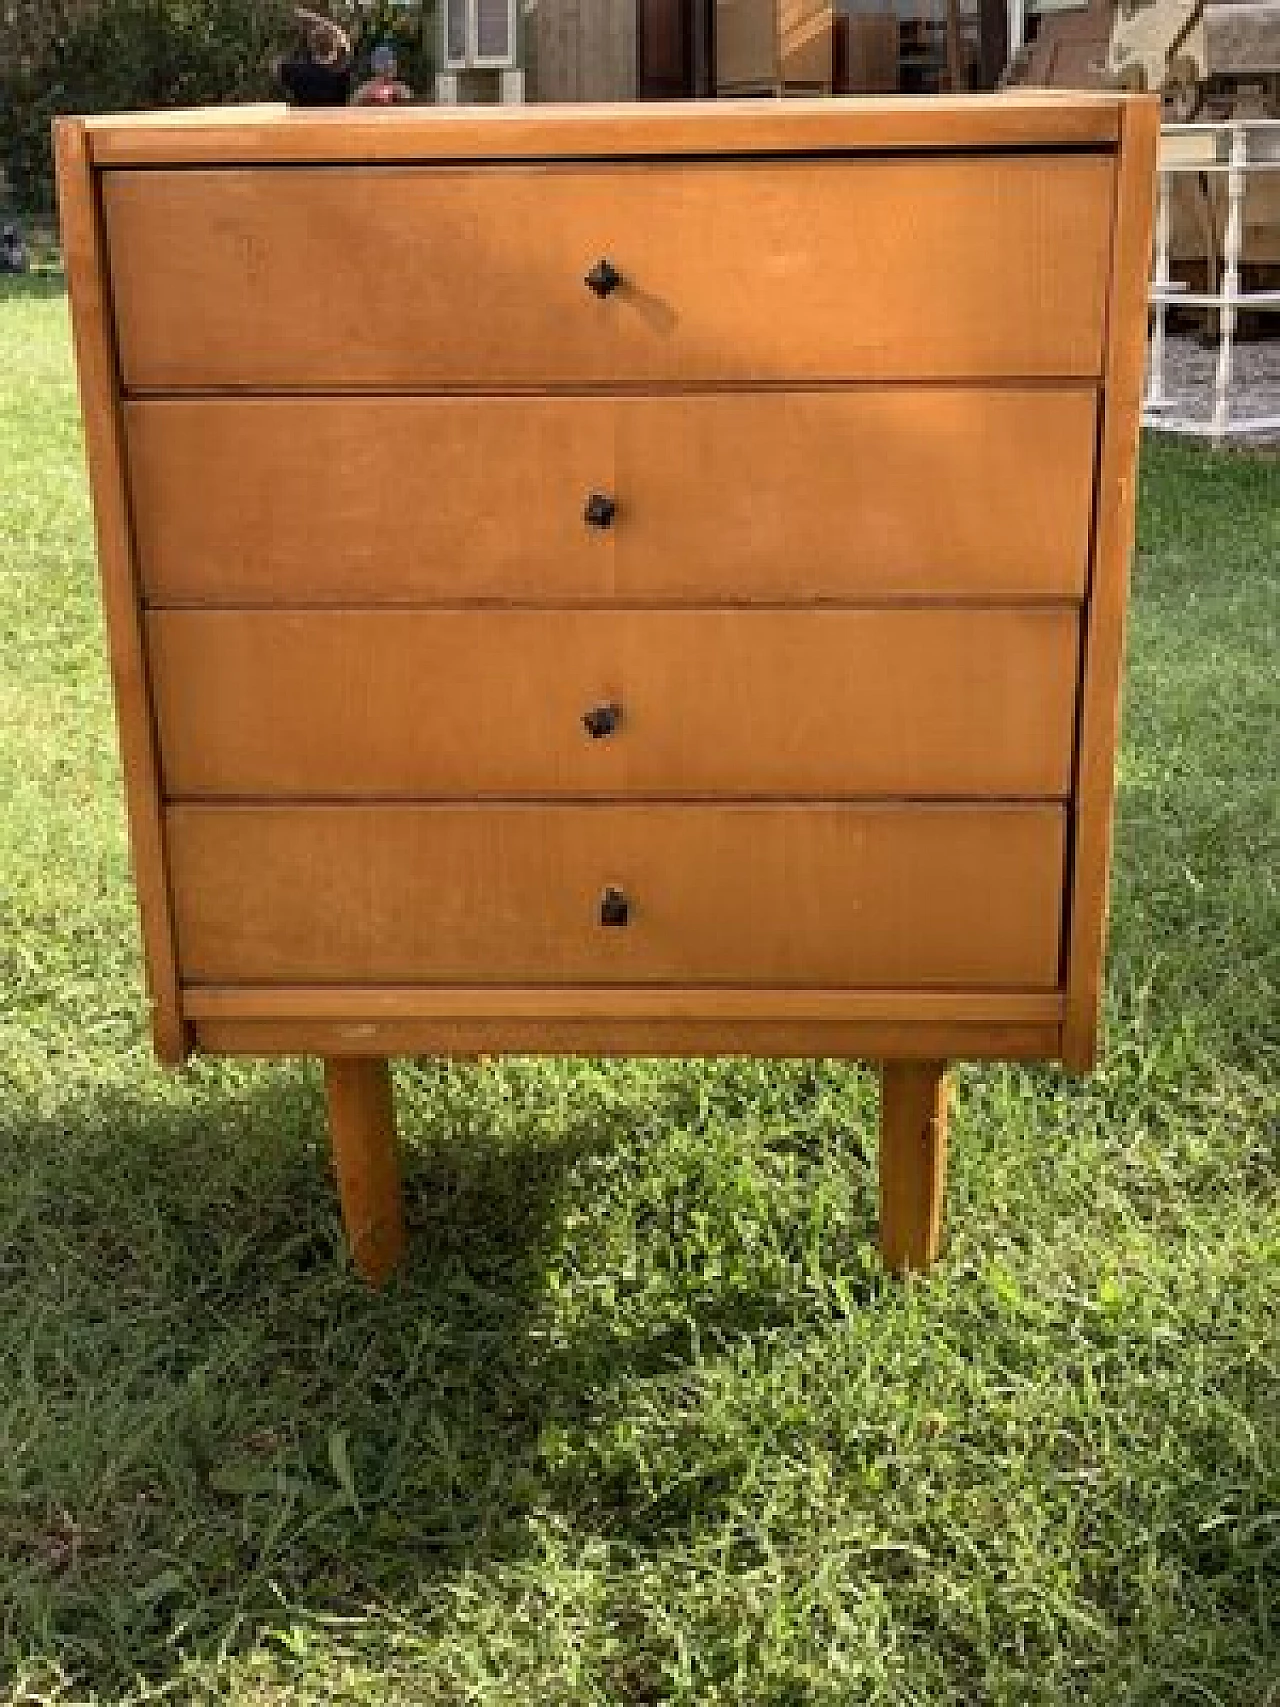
(763,270)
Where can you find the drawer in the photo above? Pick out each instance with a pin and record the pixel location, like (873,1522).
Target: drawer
(796,496)
(752,270)
(462,703)
(833,896)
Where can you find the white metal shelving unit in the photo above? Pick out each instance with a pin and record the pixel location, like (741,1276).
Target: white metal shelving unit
(1236,148)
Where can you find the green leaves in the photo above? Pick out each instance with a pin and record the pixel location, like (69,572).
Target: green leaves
(85,56)
(340,1460)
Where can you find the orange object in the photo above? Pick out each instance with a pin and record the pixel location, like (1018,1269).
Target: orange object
(640,579)
(914,1098)
(366,1163)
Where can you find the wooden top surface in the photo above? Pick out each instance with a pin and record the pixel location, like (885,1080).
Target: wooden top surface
(229,135)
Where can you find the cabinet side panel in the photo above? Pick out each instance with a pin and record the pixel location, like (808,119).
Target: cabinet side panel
(1104,642)
(91,322)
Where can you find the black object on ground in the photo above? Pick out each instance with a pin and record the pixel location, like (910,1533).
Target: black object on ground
(13,251)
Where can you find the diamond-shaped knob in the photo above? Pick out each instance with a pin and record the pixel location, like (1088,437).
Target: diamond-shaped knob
(603,277)
(615,909)
(599,510)
(602,720)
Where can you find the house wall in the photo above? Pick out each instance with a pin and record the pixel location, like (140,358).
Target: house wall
(580,50)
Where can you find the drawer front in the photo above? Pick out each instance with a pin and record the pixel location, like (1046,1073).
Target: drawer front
(795,496)
(674,703)
(985,265)
(872,897)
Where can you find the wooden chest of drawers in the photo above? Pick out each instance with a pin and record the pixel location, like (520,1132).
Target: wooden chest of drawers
(618,580)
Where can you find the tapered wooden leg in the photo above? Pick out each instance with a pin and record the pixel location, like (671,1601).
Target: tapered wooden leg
(913,1161)
(362,1126)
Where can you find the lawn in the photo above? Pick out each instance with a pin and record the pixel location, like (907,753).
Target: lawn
(642,1421)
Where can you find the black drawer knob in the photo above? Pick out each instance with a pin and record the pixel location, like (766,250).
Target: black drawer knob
(603,277)
(599,510)
(615,909)
(602,720)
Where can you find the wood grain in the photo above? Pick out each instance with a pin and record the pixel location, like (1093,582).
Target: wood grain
(580,52)
(791,496)
(1013,119)
(1104,642)
(362,1127)
(913,1162)
(84,260)
(567,1002)
(871,1024)
(747,42)
(805,29)
(867,1040)
(385,277)
(957,897)
(874,382)
(473,703)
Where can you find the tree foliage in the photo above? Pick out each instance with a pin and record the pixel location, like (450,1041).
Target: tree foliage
(84,56)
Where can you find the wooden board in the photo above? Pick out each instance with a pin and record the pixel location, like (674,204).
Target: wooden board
(580,52)
(567,1002)
(362,1127)
(866,53)
(1104,644)
(1012,119)
(469,703)
(914,491)
(84,257)
(748,45)
(385,277)
(870,1040)
(914,1098)
(812,895)
(880,1024)
(805,42)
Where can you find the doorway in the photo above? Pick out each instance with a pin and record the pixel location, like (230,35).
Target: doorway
(675,49)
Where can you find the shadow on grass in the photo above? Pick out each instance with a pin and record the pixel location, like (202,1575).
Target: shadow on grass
(222,1421)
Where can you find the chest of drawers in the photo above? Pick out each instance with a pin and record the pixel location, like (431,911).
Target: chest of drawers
(618,580)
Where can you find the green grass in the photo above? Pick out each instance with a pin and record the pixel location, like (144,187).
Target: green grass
(642,1422)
